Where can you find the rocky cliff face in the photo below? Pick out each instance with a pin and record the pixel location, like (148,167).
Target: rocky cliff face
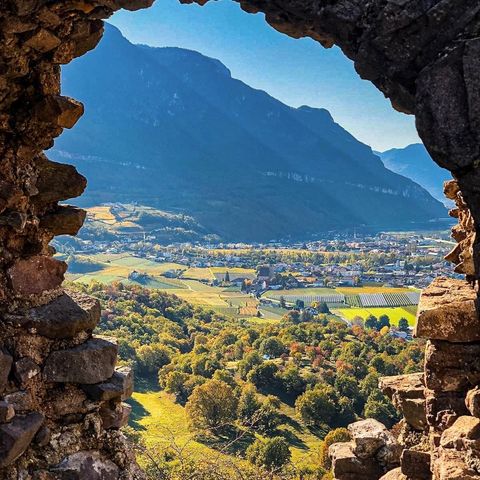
(60,394)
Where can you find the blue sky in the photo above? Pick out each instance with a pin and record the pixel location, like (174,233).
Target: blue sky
(297,72)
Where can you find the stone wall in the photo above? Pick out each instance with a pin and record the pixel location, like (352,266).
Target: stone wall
(60,394)
(61,398)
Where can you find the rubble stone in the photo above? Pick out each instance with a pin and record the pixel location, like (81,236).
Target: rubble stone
(395,474)
(452,367)
(64,317)
(65,220)
(6,361)
(451,465)
(89,363)
(7,412)
(416,464)
(472,401)
(347,466)
(36,274)
(408,397)
(15,437)
(464,429)
(116,417)
(448,310)
(86,465)
(25,369)
(369,436)
(120,385)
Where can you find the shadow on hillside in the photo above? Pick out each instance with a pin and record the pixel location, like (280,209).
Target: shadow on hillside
(231,441)
(287,398)
(292,439)
(290,421)
(138,412)
(146,385)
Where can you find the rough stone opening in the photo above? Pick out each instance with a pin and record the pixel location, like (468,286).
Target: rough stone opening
(61,397)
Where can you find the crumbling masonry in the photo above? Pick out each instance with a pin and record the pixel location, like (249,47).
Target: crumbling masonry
(61,398)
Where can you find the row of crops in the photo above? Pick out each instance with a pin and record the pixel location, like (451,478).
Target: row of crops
(361,300)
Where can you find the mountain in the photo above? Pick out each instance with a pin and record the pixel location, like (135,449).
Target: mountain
(414,162)
(170,128)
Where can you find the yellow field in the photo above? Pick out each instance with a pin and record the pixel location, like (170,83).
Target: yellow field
(102,214)
(395,314)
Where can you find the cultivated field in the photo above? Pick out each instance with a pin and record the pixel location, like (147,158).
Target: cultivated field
(109,268)
(395,314)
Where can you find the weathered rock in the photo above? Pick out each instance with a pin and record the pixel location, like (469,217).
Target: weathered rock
(65,220)
(116,417)
(6,361)
(416,464)
(443,408)
(86,466)
(369,436)
(395,474)
(452,367)
(472,401)
(451,465)
(15,437)
(347,466)
(64,317)
(43,436)
(464,430)
(21,400)
(448,310)
(25,369)
(57,181)
(7,412)
(36,274)
(89,363)
(62,111)
(119,386)
(407,395)
(43,41)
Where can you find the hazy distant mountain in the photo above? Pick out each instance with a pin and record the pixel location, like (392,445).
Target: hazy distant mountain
(415,163)
(171,128)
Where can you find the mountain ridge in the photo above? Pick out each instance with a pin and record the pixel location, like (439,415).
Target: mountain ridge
(171,128)
(414,162)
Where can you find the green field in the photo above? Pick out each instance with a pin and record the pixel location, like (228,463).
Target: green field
(395,314)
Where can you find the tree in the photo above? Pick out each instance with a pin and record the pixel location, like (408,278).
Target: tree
(371,322)
(403,325)
(152,357)
(272,454)
(292,380)
(323,308)
(248,405)
(339,435)
(211,405)
(282,302)
(317,406)
(250,360)
(379,407)
(272,347)
(263,374)
(293,316)
(227,277)
(299,304)
(383,321)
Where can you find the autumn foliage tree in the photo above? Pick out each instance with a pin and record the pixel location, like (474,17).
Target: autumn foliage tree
(211,406)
